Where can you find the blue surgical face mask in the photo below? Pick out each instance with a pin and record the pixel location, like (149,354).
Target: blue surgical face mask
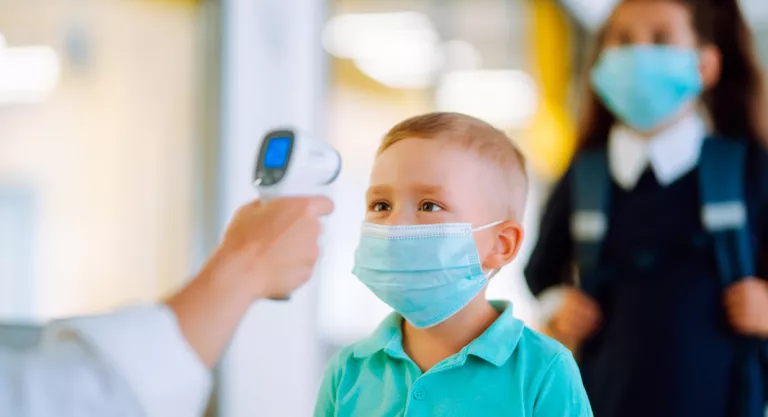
(427,273)
(646,86)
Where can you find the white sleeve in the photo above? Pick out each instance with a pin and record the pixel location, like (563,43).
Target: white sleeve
(143,350)
(65,382)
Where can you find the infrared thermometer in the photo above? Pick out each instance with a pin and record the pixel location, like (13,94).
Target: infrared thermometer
(294,164)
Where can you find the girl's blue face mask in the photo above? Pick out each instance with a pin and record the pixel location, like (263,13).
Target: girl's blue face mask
(645,86)
(427,273)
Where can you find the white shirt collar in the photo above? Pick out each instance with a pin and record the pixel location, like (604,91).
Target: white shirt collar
(671,153)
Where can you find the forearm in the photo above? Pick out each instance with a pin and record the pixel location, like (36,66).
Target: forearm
(267,252)
(209,310)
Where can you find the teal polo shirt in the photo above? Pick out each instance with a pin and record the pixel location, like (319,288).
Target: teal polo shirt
(509,370)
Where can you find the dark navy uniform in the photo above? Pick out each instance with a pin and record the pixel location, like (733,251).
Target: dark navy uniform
(665,347)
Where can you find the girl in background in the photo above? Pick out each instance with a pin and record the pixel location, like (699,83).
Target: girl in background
(659,330)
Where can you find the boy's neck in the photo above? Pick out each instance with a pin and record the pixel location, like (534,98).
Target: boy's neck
(428,347)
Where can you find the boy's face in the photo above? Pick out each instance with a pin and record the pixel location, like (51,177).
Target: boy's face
(427,181)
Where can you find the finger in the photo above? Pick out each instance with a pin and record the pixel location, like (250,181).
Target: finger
(247,209)
(313,227)
(254,204)
(320,206)
(314,252)
(302,277)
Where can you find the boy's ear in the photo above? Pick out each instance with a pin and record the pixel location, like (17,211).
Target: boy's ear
(507,245)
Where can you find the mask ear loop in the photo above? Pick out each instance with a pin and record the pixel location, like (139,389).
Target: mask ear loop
(488,226)
(493,272)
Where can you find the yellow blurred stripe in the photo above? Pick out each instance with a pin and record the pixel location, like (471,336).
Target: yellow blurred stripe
(551,139)
(180,2)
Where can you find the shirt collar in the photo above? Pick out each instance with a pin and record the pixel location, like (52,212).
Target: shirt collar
(671,153)
(495,345)
(388,337)
(498,342)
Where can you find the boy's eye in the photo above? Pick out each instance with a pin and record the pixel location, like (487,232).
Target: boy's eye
(429,206)
(380,206)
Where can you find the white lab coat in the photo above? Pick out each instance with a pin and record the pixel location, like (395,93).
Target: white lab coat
(133,363)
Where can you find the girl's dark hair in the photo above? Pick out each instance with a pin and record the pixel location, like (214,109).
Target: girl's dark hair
(734,104)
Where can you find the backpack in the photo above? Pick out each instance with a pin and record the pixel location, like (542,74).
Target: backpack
(722,170)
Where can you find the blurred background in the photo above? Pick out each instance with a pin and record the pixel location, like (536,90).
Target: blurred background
(129,129)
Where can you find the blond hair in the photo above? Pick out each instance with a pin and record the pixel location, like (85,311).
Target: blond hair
(477,136)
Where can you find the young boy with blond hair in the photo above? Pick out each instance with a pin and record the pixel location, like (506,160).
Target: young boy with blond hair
(445,203)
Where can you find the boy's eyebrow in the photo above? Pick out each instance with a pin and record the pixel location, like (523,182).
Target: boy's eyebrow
(377,190)
(429,189)
(380,190)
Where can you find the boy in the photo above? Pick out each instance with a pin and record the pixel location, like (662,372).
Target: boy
(446,197)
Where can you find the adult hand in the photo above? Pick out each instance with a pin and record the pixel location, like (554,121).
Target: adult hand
(271,249)
(268,251)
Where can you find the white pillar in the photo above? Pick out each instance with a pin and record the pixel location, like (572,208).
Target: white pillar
(274,72)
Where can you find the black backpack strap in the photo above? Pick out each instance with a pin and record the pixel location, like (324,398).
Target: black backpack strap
(589,220)
(722,174)
(722,171)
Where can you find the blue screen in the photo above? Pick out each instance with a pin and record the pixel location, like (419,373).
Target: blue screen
(277,153)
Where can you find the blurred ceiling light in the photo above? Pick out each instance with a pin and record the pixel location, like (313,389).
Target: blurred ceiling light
(461,56)
(399,50)
(28,74)
(504,98)
(341,35)
(591,13)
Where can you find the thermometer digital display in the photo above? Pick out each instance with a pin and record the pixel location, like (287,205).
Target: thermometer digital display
(276,155)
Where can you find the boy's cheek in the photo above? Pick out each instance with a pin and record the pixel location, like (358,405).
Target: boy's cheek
(424,217)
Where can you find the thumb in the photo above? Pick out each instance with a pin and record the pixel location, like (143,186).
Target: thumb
(250,206)
(320,205)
